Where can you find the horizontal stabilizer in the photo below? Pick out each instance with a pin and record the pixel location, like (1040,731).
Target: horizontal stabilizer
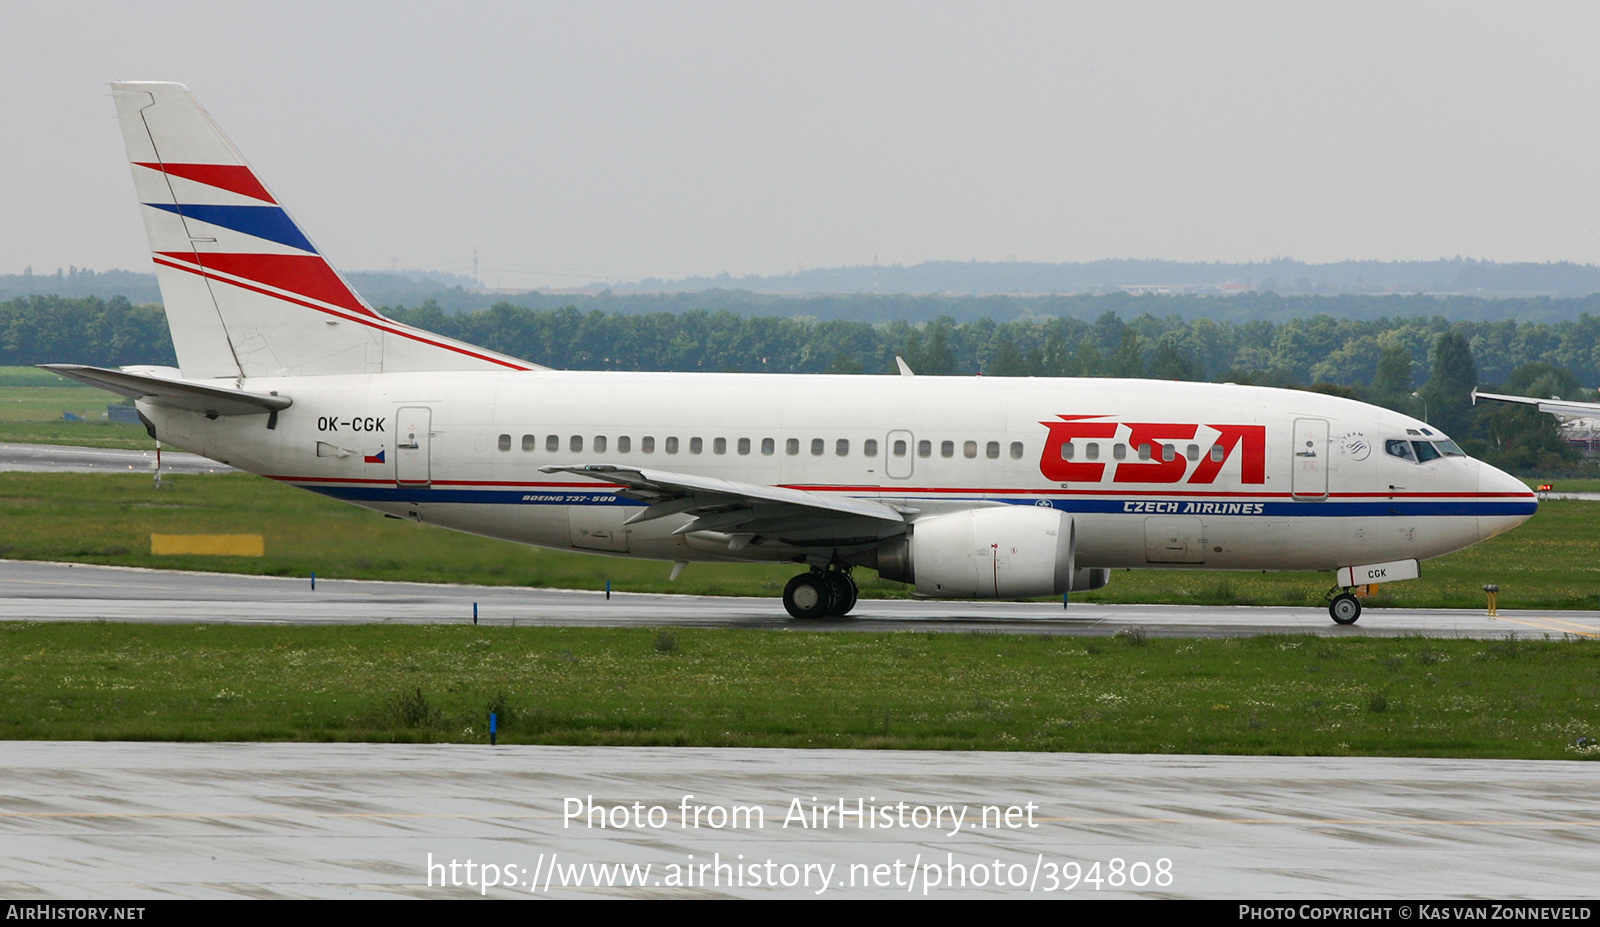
(180,394)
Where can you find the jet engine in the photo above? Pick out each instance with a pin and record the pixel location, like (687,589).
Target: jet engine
(998,552)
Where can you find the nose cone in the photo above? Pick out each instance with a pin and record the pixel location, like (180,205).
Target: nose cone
(1506,501)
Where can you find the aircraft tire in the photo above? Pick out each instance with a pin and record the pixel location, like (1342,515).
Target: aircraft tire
(808,596)
(1344,609)
(844,592)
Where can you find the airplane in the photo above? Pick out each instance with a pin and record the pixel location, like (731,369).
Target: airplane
(1555,406)
(983,488)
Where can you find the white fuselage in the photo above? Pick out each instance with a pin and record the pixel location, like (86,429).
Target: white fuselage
(1237,477)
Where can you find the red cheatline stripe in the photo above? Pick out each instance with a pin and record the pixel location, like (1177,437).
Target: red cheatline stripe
(410,334)
(305,275)
(1044,492)
(1153,492)
(235,178)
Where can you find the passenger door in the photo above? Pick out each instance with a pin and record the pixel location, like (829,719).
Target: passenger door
(1309,479)
(413,465)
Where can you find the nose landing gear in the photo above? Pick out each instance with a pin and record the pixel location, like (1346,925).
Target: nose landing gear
(1344,608)
(820,594)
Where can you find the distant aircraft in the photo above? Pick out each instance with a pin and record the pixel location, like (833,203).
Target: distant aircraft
(965,487)
(1554,406)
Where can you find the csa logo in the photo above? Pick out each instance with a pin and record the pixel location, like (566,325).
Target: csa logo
(1247,443)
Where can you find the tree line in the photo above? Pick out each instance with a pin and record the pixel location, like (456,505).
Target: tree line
(1422,366)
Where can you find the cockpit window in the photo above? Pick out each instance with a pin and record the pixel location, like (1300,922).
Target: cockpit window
(1422,451)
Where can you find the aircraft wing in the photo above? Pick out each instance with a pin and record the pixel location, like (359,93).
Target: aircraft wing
(1555,406)
(182,394)
(732,507)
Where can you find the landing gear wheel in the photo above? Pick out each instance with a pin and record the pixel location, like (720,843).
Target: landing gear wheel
(1344,609)
(808,596)
(844,592)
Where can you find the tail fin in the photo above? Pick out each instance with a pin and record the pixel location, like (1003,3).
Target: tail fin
(247,294)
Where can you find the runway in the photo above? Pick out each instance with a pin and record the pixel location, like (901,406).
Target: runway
(86,821)
(31,591)
(95,820)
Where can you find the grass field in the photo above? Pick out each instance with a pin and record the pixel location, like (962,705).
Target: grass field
(1265,695)
(108,518)
(31,403)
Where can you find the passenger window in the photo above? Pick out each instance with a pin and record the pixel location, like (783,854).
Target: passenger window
(791,446)
(1193,452)
(869,447)
(576,443)
(924,448)
(1218,452)
(528,442)
(1144,452)
(1016,450)
(624,444)
(1067,450)
(1168,452)
(1119,451)
(768,446)
(552,443)
(899,449)
(505,442)
(969,449)
(672,445)
(992,450)
(744,447)
(647,444)
(1093,450)
(947,449)
(817,445)
(720,446)
(599,444)
(696,445)
(841,447)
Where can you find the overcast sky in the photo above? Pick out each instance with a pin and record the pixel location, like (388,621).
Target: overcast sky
(573,142)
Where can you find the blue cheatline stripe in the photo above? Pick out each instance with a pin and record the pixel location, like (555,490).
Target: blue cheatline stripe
(1327,509)
(468,496)
(1450,507)
(269,222)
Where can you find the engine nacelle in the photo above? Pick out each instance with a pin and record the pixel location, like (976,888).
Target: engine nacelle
(1000,552)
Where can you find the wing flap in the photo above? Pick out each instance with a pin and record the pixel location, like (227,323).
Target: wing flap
(729,506)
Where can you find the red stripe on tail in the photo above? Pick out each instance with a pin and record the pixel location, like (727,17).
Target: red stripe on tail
(305,275)
(235,178)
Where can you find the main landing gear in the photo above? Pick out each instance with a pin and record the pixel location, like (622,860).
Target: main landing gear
(820,594)
(1344,608)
